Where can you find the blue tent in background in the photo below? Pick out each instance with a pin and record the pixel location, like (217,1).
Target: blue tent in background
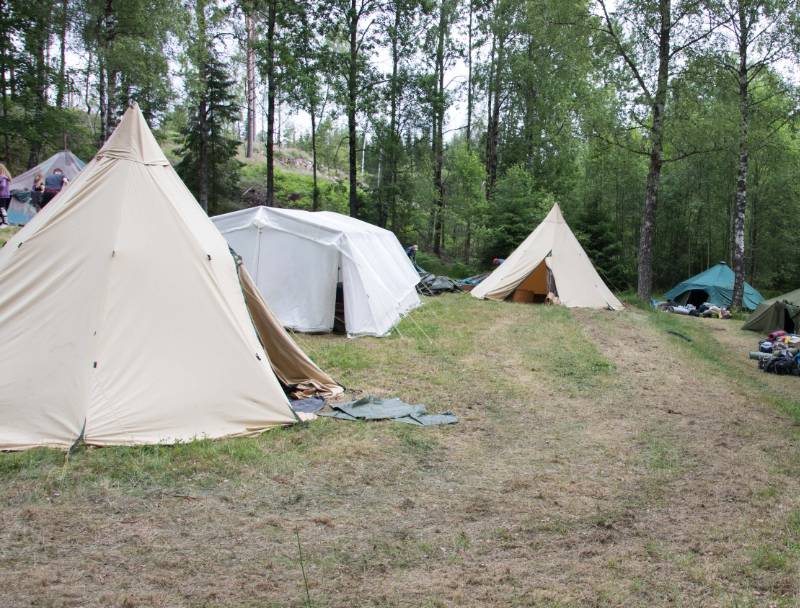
(715,286)
(20,211)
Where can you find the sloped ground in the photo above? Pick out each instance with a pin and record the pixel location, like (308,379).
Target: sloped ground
(600,461)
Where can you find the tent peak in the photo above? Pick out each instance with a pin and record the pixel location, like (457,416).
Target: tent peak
(133,140)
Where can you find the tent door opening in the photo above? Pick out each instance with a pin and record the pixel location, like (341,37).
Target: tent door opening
(695,297)
(338,311)
(788,322)
(339,325)
(535,287)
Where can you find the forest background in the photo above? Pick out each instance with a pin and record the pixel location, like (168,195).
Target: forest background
(665,129)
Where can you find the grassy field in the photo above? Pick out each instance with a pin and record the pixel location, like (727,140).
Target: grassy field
(600,461)
(6,233)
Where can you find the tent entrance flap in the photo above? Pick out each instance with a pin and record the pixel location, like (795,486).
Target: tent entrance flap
(695,297)
(535,287)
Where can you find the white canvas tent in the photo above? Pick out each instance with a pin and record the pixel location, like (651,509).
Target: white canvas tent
(21,210)
(550,259)
(297,258)
(123,320)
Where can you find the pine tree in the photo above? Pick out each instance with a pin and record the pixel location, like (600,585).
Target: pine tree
(209,166)
(596,233)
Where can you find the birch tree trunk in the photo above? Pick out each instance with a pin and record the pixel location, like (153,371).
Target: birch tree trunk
(271,94)
(62,71)
(251,84)
(352,98)
(740,205)
(647,231)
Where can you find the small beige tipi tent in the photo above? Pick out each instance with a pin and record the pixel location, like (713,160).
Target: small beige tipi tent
(123,320)
(550,260)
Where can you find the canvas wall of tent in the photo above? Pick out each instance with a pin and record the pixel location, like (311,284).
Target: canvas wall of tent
(300,260)
(781,312)
(123,295)
(549,260)
(714,286)
(21,210)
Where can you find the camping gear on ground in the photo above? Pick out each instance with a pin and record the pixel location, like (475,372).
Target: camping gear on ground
(123,320)
(550,260)
(706,310)
(297,258)
(782,312)
(779,353)
(373,408)
(469,283)
(432,285)
(714,286)
(23,207)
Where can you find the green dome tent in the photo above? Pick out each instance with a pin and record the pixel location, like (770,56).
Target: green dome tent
(715,286)
(782,312)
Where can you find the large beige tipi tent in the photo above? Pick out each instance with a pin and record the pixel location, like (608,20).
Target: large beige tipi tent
(123,319)
(550,260)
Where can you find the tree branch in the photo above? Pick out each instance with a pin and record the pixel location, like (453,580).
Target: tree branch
(623,53)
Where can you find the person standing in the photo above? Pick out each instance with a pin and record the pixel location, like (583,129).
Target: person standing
(37,191)
(53,184)
(5,194)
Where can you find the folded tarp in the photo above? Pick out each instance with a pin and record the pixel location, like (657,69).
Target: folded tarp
(373,408)
(432,285)
(311,405)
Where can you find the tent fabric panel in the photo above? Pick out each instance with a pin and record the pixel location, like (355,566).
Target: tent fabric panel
(536,281)
(292,366)
(377,290)
(507,277)
(51,272)
(142,340)
(575,277)
(717,281)
(379,281)
(300,289)
(770,316)
(579,284)
(766,318)
(170,384)
(244,243)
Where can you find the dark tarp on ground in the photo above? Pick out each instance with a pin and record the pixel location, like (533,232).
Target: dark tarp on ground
(373,408)
(432,285)
(311,405)
(782,312)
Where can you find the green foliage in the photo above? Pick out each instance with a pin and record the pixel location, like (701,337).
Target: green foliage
(596,233)
(209,166)
(292,189)
(515,210)
(452,269)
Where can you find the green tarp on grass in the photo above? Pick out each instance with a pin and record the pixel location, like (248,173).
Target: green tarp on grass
(373,408)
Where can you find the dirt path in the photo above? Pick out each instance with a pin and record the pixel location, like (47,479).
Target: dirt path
(597,463)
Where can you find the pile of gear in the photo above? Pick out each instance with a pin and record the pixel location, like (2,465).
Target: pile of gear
(707,309)
(779,354)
